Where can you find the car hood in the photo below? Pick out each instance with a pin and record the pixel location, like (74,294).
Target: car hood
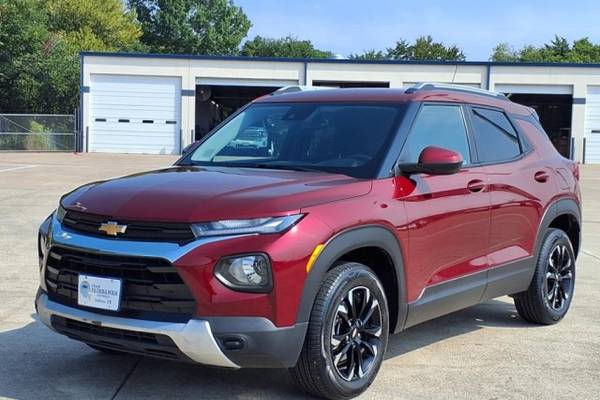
(194,194)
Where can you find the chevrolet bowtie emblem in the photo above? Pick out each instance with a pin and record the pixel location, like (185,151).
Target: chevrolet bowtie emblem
(112,228)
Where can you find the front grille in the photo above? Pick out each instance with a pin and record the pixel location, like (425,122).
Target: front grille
(136,230)
(143,343)
(152,288)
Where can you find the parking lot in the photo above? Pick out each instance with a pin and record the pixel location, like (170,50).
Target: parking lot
(484,352)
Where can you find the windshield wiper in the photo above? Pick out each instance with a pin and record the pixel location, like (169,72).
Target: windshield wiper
(286,167)
(263,165)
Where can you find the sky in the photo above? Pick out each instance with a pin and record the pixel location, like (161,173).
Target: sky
(476,26)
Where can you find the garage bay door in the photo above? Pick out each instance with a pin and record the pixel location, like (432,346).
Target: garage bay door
(554,106)
(592,125)
(135,114)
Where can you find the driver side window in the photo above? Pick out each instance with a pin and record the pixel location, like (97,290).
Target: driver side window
(440,126)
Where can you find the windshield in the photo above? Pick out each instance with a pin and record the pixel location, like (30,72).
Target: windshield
(346,138)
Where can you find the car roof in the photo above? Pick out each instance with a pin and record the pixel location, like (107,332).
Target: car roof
(395,95)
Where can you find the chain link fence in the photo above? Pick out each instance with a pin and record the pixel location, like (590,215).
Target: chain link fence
(38,132)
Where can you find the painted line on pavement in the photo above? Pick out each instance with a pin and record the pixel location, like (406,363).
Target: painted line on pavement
(589,253)
(17,168)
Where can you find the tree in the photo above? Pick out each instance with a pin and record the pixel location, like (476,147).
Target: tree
(369,55)
(505,53)
(531,53)
(36,64)
(211,27)
(283,47)
(558,50)
(424,48)
(40,42)
(400,51)
(584,51)
(93,25)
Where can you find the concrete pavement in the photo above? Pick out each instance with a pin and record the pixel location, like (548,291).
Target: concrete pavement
(484,352)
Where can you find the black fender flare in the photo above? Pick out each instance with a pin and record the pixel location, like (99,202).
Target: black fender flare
(343,242)
(560,207)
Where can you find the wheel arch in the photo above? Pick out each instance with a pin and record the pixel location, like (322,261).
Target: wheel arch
(346,242)
(567,209)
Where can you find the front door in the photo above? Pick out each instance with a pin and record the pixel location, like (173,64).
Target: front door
(448,215)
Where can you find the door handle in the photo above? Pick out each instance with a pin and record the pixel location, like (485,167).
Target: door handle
(476,185)
(541,176)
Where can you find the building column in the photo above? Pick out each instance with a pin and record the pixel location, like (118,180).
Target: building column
(84,104)
(188,107)
(578,121)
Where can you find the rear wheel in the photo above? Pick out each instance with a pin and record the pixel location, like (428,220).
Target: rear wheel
(347,334)
(549,295)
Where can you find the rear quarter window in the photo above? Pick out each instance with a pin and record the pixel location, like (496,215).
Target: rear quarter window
(534,132)
(495,137)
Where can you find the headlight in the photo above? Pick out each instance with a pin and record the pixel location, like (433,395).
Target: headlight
(60,213)
(245,226)
(247,273)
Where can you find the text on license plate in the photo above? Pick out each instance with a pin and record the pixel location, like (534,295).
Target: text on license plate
(97,292)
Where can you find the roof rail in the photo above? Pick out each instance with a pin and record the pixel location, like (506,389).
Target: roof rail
(455,88)
(297,88)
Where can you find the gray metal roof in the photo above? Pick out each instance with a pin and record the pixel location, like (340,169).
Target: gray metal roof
(338,61)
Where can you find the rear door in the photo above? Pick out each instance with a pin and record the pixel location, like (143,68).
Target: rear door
(517,180)
(449,215)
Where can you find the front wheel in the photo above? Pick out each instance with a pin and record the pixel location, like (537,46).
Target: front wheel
(347,334)
(549,295)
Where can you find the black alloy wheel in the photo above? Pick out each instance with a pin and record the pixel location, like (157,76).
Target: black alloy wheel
(559,277)
(550,292)
(356,333)
(347,334)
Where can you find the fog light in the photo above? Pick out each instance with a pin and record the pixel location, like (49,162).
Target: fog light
(247,273)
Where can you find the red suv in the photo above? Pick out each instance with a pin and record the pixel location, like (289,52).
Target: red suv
(357,213)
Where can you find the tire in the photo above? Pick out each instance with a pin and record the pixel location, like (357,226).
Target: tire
(106,350)
(549,295)
(324,366)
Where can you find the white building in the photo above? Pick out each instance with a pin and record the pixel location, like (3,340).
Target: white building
(146,103)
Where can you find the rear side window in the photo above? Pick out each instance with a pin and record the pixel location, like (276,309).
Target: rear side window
(495,137)
(440,126)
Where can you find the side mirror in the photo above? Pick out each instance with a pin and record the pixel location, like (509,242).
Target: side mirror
(433,161)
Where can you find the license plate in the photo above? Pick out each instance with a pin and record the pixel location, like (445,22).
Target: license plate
(104,293)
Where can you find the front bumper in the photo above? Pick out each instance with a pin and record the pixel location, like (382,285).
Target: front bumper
(194,338)
(224,341)
(231,342)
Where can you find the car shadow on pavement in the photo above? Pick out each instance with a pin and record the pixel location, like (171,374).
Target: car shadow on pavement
(492,313)
(37,363)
